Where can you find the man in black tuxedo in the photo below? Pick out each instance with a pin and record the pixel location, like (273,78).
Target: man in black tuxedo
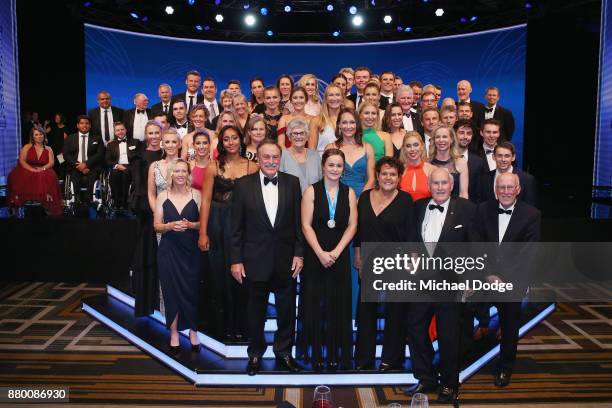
(507,219)
(417,91)
(103,117)
(466,132)
(464,89)
(490,136)
(267,252)
(441,218)
(84,155)
(164,91)
(430,119)
(120,154)
(428,100)
(362,77)
(411,120)
(209,90)
(181,123)
(191,96)
(136,118)
(505,155)
(387,87)
(499,113)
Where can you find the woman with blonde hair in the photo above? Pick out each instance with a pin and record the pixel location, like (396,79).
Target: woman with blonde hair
(323,127)
(310,83)
(443,153)
(380,141)
(199,115)
(241,108)
(417,169)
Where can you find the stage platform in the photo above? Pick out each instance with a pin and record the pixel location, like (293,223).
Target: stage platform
(220,363)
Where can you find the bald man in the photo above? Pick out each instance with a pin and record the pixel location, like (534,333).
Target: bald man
(103,117)
(464,89)
(137,117)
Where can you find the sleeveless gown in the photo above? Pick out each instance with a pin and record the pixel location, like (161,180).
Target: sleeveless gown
(326,137)
(355,176)
(178,262)
(378,145)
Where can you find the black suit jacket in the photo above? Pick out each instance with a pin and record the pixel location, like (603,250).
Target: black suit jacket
(95,151)
(129,120)
(383,103)
(212,124)
(159,108)
(255,242)
(477,167)
(183,97)
(416,123)
(96,121)
(479,110)
(506,118)
(112,151)
(529,189)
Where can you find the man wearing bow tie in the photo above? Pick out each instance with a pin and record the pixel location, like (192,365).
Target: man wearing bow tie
(267,252)
(181,123)
(499,113)
(136,119)
(164,91)
(507,219)
(411,120)
(441,218)
(84,155)
(120,154)
(103,117)
(490,134)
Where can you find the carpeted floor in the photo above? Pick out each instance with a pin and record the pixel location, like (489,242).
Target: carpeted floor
(45,340)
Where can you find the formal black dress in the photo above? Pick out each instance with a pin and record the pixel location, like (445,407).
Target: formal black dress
(327,317)
(394,224)
(178,262)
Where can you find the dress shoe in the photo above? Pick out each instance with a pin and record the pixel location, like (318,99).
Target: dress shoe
(253,365)
(288,363)
(421,387)
(502,378)
(386,367)
(447,395)
(480,333)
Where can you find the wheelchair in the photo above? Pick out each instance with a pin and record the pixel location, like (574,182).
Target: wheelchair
(74,206)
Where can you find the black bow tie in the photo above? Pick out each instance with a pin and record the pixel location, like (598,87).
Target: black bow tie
(436,206)
(487,151)
(488,110)
(273,180)
(502,211)
(184,126)
(121,141)
(140,111)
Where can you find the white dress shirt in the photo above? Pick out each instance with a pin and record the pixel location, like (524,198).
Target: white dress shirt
(123,157)
(270,196)
(490,159)
(140,121)
(504,220)
(489,115)
(213,109)
(465,154)
(389,97)
(407,122)
(111,128)
(82,157)
(427,143)
(433,221)
(182,131)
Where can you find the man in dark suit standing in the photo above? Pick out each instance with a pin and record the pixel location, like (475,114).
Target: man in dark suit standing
(267,252)
(362,77)
(490,136)
(84,155)
(103,117)
(191,96)
(411,120)
(441,218)
(120,154)
(507,219)
(209,90)
(181,122)
(136,118)
(164,91)
(499,113)
(466,132)
(464,89)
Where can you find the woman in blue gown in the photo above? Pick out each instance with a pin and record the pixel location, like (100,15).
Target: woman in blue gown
(178,256)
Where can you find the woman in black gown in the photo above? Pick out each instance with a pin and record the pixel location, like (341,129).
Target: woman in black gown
(177,218)
(386,214)
(329,222)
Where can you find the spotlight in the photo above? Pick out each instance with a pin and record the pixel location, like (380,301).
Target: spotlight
(463,20)
(133,15)
(473,18)
(439,12)
(357,20)
(249,20)
(330,7)
(353,10)
(219,18)
(87,4)
(217,2)
(287,9)
(263,11)
(198,27)
(206,28)
(191,2)
(169,10)
(336,33)
(407,29)
(145,19)
(373,3)
(528,5)
(269,33)
(246,6)
(400,28)
(387,19)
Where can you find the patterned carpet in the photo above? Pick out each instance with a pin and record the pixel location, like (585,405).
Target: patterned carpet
(45,339)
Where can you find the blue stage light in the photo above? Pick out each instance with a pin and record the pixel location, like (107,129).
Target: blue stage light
(353,10)
(287,9)
(263,11)
(400,28)
(169,10)
(198,27)
(407,29)
(269,33)
(473,18)
(217,2)
(191,2)
(528,5)
(206,28)
(246,6)
(330,7)
(133,15)
(463,20)
(87,4)
(145,19)
(336,33)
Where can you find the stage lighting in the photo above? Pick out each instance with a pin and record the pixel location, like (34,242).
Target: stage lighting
(528,5)
(169,10)
(287,9)
(407,29)
(269,33)
(353,10)
(463,20)
(191,2)
(439,12)
(87,4)
(246,6)
(473,18)
(198,27)
(217,2)
(357,20)
(145,19)
(134,15)
(373,3)
(263,11)
(330,7)
(400,28)
(249,20)
(336,33)
(206,28)
(387,19)
(219,18)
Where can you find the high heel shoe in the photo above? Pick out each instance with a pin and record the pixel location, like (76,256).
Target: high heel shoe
(195,347)
(174,349)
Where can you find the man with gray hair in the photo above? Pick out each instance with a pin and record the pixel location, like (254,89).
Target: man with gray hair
(411,120)
(464,89)
(136,118)
(164,91)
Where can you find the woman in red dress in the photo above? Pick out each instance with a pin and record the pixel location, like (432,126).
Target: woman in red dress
(34,179)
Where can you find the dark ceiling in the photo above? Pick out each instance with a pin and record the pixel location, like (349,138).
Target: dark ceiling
(310,21)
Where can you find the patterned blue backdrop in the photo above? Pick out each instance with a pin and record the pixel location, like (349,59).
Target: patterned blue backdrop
(125,63)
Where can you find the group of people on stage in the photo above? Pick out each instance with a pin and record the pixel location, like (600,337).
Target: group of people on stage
(248,194)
